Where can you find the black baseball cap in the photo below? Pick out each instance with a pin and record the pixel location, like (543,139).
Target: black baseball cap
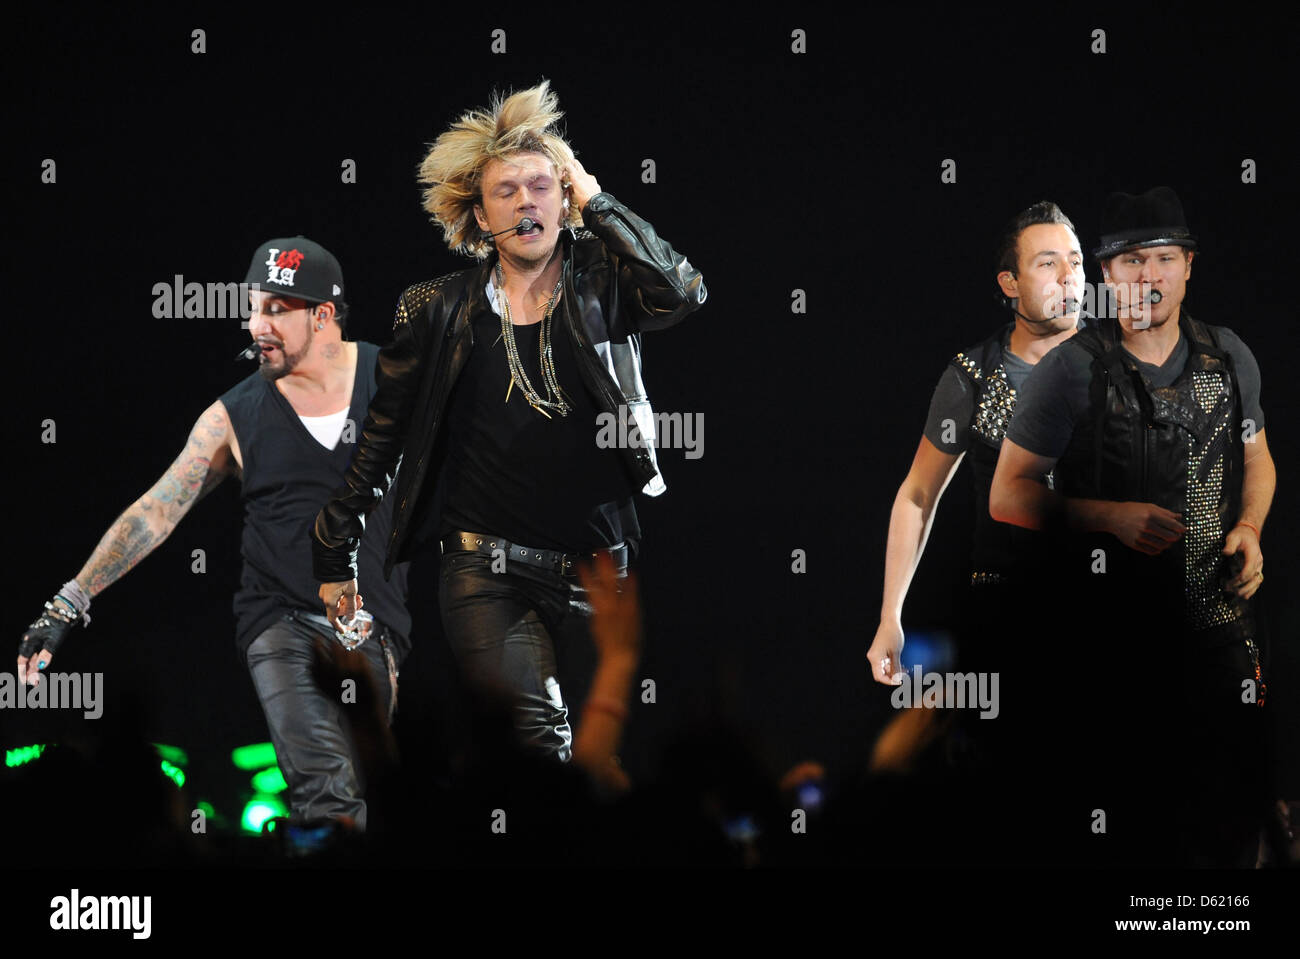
(298,267)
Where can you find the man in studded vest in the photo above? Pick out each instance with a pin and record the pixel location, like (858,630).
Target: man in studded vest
(1040,271)
(1151,423)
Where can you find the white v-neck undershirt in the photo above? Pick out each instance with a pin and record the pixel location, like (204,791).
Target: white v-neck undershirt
(328,429)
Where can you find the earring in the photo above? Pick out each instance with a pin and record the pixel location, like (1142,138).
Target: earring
(320,326)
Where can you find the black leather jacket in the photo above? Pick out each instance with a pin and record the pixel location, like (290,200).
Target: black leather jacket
(623,279)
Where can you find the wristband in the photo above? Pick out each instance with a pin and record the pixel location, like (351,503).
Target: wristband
(1250,526)
(76,599)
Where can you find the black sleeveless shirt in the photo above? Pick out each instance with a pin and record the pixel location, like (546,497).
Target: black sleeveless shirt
(287,478)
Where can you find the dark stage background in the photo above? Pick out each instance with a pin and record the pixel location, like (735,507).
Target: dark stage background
(775,171)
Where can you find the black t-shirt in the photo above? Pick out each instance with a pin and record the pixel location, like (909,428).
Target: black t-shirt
(287,478)
(514,473)
(1055,396)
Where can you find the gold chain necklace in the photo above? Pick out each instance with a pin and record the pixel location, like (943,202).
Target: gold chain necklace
(555,398)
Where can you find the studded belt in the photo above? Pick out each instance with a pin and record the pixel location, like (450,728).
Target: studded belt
(566,564)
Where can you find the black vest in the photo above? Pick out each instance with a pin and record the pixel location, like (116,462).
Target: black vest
(287,478)
(1000,549)
(1178,447)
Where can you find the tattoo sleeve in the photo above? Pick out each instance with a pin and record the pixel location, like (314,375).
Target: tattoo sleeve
(128,541)
(150,519)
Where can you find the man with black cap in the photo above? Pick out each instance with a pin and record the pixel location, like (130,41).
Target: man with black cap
(1151,422)
(288,432)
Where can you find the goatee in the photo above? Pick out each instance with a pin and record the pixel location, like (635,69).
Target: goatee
(271,373)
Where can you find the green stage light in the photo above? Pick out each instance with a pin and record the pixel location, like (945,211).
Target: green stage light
(270,781)
(173,754)
(174,773)
(259,809)
(254,756)
(22,754)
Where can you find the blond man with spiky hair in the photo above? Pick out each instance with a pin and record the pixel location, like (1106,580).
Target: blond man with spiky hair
(492,395)
(453,168)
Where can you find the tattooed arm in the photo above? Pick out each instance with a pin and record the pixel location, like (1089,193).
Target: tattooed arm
(210,455)
(206,460)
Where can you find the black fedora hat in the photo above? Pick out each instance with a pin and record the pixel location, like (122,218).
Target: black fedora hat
(1131,222)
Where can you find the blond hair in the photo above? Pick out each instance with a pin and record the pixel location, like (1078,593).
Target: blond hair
(523,122)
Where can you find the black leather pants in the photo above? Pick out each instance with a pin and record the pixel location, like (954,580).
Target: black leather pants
(503,629)
(308,727)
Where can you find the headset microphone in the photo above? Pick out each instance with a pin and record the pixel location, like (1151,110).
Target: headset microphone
(1008,303)
(523,226)
(1149,299)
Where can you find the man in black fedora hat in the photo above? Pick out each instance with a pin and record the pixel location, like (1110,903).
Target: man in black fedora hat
(288,432)
(1151,422)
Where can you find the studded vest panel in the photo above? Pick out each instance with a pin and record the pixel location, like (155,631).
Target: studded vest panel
(999,548)
(1175,446)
